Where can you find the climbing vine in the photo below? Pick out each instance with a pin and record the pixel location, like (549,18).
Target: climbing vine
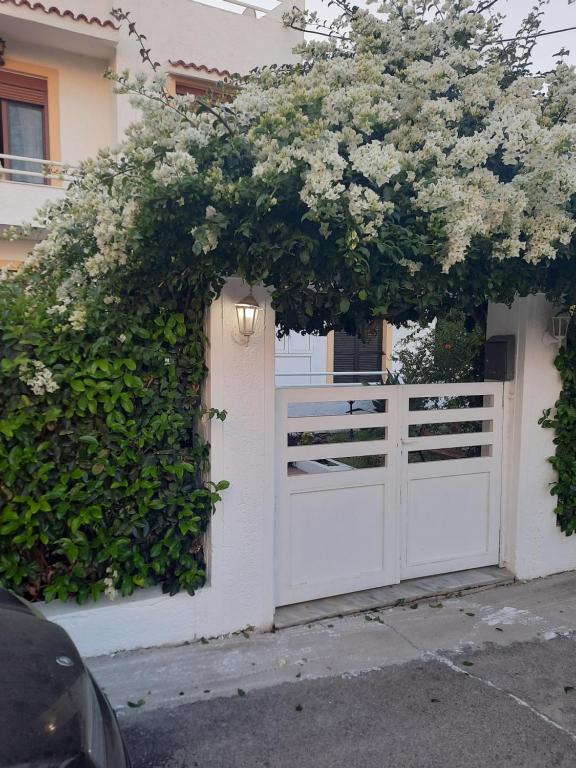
(409,166)
(562,419)
(102,464)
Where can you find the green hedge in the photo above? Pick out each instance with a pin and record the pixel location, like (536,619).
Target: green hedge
(563,420)
(102,484)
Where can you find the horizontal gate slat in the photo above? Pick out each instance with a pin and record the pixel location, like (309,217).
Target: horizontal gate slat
(348,421)
(433,442)
(439,416)
(337,480)
(452,390)
(333,393)
(337,450)
(451,467)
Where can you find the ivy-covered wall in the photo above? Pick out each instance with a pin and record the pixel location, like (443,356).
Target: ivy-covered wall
(562,418)
(102,464)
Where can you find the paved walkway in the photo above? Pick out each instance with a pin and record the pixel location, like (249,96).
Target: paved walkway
(488,679)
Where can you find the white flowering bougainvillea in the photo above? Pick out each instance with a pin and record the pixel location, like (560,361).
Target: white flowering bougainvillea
(411,164)
(399,163)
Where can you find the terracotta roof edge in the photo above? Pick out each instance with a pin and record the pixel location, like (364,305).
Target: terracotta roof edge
(66,13)
(201,68)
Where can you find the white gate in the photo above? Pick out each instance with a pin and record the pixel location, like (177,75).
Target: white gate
(381,483)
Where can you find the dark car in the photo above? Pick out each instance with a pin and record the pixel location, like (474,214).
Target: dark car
(52,713)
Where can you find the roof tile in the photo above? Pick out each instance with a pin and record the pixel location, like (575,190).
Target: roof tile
(200,68)
(66,13)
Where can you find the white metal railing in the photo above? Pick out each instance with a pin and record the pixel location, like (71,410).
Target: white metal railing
(49,170)
(335,373)
(331,374)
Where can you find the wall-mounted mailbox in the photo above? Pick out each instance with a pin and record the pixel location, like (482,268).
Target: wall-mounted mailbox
(500,358)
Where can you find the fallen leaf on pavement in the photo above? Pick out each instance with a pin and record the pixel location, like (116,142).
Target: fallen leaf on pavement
(136,704)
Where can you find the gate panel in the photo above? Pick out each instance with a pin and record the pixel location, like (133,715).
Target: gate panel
(451,490)
(336,520)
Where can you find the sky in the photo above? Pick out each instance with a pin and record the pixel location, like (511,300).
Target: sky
(558,15)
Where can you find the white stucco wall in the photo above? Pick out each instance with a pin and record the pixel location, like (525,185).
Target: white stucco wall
(213,37)
(532,543)
(89,115)
(86,102)
(19,202)
(239,592)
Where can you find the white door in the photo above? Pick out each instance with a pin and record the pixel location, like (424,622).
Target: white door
(302,354)
(381,483)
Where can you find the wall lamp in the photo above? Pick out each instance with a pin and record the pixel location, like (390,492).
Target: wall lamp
(558,331)
(247,312)
(2,52)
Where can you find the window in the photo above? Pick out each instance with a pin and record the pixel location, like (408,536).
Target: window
(194,86)
(23,124)
(353,354)
(212,90)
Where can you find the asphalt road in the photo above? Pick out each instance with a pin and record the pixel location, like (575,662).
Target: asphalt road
(497,706)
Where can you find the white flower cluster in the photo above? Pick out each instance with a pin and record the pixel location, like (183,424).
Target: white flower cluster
(38,377)
(412,84)
(174,167)
(110,580)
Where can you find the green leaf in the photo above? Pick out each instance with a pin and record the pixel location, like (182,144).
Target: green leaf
(344,305)
(136,704)
(132,381)
(127,403)
(89,439)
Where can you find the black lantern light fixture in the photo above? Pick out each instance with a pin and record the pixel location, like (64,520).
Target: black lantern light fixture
(2,52)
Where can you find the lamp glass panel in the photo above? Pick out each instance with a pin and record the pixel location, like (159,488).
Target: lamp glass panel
(560,326)
(246,319)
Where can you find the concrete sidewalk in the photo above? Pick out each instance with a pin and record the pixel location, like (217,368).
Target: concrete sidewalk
(166,677)
(424,714)
(488,679)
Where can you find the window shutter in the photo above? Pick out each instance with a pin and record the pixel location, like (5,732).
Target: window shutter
(16,87)
(193,86)
(351,354)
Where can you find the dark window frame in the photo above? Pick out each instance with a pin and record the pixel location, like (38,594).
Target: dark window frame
(352,354)
(22,89)
(199,86)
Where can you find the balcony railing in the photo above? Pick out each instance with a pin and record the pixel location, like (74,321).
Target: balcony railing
(50,172)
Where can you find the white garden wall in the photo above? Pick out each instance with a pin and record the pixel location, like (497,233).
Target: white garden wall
(239,592)
(532,543)
(240,549)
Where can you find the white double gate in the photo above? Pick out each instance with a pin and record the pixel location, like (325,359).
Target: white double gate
(376,484)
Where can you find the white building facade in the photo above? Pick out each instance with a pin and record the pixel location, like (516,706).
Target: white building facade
(335,487)
(56,106)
